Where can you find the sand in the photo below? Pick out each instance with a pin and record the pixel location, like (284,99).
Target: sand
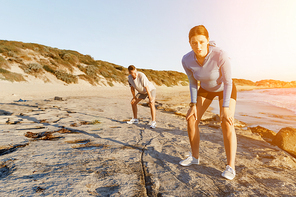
(85,147)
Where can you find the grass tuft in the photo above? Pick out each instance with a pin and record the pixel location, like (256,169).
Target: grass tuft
(66,77)
(32,68)
(11,76)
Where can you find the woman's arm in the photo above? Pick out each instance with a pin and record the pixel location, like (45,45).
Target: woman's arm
(133,92)
(193,92)
(192,83)
(226,77)
(227,80)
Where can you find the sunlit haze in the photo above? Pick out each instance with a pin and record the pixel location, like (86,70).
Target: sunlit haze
(258,35)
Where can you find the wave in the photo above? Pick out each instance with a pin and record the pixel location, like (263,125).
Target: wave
(284,98)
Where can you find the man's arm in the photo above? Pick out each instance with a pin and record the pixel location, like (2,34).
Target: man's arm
(133,92)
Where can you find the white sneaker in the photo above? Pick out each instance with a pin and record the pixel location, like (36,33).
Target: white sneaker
(133,121)
(229,173)
(190,160)
(153,125)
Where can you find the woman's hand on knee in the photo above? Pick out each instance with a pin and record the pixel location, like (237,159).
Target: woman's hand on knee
(227,116)
(192,112)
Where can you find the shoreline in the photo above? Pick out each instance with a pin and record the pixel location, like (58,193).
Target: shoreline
(258,114)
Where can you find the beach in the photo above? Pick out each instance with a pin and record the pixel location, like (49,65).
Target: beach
(73,140)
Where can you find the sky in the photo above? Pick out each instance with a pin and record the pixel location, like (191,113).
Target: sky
(258,35)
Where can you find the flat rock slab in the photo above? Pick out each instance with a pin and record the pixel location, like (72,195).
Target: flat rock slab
(98,154)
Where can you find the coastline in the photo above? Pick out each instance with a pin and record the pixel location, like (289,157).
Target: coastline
(261,114)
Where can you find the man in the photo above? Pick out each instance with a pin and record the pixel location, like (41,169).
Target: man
(138,81)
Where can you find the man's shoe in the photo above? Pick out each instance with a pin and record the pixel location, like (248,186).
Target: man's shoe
(153,125)
(229,173)
(190,160)
(133,121)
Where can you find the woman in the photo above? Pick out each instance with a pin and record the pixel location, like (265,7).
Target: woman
(211,66)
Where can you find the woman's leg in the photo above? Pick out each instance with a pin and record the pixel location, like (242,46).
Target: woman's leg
(192,125)
(229,135)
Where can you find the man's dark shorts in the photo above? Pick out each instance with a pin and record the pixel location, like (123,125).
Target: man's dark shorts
(143,96)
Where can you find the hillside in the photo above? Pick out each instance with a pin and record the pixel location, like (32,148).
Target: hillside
(30,62)
(34,62)
(269,83)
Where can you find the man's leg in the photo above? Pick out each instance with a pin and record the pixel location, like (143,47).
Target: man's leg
(134,103)
(152,108)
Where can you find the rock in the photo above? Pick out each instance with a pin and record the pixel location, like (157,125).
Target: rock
(239,124)
(266,134)
(57,98)
(107,157)
(286,140)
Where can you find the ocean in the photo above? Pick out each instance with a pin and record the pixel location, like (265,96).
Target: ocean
(270,108)
(283,98)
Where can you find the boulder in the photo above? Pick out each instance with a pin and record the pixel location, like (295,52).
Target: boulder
(266,134)
(57,98)
(286,140)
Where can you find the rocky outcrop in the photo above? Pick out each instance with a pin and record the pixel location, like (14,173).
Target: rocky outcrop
(286,140)
(266,134)
(97,154)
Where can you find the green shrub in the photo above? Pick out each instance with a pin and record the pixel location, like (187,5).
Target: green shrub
(91,70)
(110,83)
(105,73)
(3,63)
(33,68)
(49,69)
(4,70)
(81,68)
(9,48)
(11,76)
(183,83)
(121,68)
(88,79)
(69,58)
(87,59)
(168,78)
(66,77)
(53,63)
(112,72)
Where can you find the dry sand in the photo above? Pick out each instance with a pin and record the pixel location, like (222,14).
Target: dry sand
(97,154)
